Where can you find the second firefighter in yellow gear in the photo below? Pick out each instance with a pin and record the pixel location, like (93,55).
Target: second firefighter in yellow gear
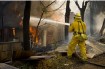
(78,27)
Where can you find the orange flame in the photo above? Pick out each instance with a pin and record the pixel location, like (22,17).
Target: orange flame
(33,33)
(14,33)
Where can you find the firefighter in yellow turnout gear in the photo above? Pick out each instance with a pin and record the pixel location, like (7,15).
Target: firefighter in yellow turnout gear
(78,28)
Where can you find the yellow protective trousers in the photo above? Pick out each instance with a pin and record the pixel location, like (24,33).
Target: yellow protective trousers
(71,48)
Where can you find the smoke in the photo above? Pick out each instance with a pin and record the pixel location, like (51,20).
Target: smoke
(87,18)
(94,16)
(98,11)
(99,21)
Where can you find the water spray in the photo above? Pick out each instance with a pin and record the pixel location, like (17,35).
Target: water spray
(34,21)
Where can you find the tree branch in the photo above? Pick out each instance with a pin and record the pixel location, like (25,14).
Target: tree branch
(76,2)
(57,8)
(50,4)
(45,7)
(42,3)
(83,4)
(86,4)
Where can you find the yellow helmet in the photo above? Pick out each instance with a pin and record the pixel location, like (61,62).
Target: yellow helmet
(77,15)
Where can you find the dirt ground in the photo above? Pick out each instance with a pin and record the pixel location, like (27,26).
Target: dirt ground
(60,61)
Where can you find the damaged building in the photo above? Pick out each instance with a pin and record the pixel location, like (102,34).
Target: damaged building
(12,30)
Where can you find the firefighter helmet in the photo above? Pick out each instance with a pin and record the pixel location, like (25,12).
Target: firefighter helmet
(77,15)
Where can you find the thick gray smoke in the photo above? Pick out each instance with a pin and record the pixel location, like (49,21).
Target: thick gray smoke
(94,16)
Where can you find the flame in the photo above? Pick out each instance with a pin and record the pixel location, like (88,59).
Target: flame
(33,33)
(14,32)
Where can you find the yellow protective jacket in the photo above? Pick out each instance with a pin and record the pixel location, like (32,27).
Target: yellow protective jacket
(77,27)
